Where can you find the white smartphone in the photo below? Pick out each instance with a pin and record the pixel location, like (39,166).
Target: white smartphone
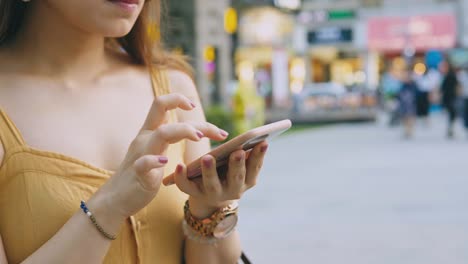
(246,141)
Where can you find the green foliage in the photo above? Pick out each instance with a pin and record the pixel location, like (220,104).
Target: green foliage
(222,118)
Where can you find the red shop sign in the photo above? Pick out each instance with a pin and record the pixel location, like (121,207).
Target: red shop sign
(419,32)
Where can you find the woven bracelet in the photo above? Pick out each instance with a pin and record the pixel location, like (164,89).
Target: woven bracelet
(95,223)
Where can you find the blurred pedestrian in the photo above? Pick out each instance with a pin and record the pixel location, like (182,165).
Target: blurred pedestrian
(407,102)
(449,95)
(391,87)
(463,79)
(427,84)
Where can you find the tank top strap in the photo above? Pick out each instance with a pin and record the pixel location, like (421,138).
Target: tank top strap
(9,134)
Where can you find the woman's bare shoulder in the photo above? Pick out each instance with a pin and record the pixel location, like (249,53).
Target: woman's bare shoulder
(181,82)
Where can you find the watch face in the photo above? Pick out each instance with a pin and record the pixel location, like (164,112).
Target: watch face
(225,227)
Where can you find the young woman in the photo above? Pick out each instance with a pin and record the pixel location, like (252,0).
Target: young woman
(462,77)
(449,89)
(77,79)
(407,102)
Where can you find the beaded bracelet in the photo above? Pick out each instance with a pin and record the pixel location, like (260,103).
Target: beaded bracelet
(95,223)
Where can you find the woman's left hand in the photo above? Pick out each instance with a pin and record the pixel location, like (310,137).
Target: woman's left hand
(215,191)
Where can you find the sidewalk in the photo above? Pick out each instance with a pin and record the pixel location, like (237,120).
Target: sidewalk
(359,193)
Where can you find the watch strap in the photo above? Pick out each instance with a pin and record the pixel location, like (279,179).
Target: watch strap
(205,227)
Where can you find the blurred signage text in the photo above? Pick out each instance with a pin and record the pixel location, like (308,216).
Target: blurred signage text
(320,16)
(330,35)
(341,14)
(421,33)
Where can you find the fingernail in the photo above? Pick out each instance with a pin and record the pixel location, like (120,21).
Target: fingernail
(179,168)
(223,133)
(192,104)
(207,161)
(263,149)
(200,134)
(240,157)
(163,160)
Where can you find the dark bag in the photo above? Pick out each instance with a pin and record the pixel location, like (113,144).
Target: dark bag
(244,259)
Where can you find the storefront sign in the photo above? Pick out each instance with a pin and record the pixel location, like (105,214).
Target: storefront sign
(330,35)
(421,33)
(265,26)
(320,16)
(341,14)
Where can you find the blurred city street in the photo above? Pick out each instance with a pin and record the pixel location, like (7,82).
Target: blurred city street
(355,193)
(360,193)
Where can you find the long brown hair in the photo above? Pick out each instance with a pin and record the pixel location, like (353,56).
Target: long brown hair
(139,44)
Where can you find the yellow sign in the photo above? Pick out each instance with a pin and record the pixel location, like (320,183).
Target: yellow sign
(209,54)
(230,20)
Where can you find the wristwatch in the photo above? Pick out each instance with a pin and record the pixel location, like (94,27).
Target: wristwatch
(219,225)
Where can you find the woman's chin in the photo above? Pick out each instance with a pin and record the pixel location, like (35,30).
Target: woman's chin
(117,31)
(117,34)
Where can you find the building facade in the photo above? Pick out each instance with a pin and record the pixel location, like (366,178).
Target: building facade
(329,41)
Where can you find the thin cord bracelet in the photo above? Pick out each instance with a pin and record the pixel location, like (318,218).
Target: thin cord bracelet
(95,223)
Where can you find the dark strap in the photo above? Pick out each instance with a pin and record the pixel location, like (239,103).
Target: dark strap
(245,259)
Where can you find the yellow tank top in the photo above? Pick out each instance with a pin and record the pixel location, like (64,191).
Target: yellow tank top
(41,190)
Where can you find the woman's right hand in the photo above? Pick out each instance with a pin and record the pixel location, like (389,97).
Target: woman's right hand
(139,177)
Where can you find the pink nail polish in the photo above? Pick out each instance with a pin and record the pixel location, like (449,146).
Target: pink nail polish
(163,160)
(263,149)
(239,157)
(179,168)
(200,134)
(223,133)
(207,161)
(192,104)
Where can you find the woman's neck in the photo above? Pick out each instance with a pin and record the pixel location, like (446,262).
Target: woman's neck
(50,46)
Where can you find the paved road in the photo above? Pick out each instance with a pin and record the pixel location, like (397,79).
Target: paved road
(360,194)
